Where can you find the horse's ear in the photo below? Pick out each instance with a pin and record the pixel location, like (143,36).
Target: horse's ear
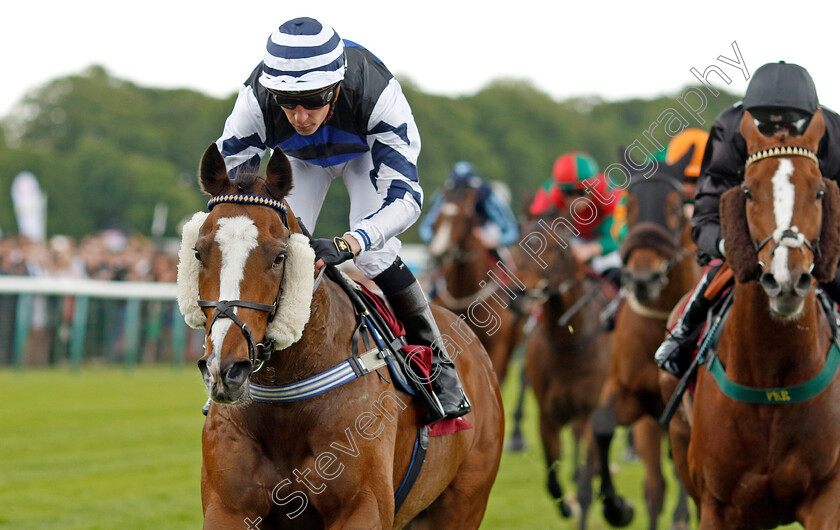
(825,263)
(278,174)
(752,136)
(212,173)
(740,250)
(814,133)
(680,165)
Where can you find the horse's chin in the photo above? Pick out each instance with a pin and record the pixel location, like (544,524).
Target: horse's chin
(786,307)
(228,397)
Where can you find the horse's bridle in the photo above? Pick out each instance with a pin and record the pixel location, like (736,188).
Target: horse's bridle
(789,237)
(258,353)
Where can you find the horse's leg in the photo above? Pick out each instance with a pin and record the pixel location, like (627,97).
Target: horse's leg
(583,476)
(550,435)
(366,514)
(217,517)
(682,517)
(648,438)
(823,513)
(463,503)
(517,440)
(605,418)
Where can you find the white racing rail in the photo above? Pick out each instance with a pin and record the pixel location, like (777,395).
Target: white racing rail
(28,289)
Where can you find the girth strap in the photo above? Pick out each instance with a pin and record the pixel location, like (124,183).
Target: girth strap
(418,458)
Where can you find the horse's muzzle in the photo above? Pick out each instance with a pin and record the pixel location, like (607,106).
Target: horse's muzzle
(646,288)
(787,298)
(227,382)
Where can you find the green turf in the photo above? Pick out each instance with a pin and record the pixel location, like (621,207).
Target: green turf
(106,448)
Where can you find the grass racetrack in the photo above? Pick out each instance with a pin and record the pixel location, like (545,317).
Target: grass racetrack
(107,447)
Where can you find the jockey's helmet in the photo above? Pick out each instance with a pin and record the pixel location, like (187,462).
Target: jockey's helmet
(463,175)
(304,59)
(781,96)
(572,169)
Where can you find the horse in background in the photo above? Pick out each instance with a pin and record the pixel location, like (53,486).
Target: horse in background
(658,269)
(247,275)
(567,353)
(763,444)
(471,280)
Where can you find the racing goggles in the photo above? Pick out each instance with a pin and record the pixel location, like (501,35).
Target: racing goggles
(309,101)
(771,120)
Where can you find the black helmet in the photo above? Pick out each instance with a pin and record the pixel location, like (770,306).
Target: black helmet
(782,85)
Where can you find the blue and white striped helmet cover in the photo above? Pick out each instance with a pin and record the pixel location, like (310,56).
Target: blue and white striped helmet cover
(303,55)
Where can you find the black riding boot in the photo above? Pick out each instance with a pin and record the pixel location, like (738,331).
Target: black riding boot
(411,308)
(674,354)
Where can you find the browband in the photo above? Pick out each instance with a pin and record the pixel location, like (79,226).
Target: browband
(781,151)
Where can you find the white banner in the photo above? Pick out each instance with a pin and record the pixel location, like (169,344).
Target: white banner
(30,206)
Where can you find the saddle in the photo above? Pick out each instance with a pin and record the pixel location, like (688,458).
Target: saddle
(416,358)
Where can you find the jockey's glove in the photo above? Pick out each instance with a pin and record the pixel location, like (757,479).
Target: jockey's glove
(332,251)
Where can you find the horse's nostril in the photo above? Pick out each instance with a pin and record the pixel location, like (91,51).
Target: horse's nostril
(770,285)
(236,373)
(803,284)
(202,366)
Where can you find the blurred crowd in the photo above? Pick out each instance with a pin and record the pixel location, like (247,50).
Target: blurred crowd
(108,255)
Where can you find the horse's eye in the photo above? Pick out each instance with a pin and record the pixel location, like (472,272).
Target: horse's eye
(748,194)
(197,254)
(820,194)
(278,260)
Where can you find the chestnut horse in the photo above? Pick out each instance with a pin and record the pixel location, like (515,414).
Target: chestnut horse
(335,459)
(470,282)
(565,362)
(658,269)
(764,446)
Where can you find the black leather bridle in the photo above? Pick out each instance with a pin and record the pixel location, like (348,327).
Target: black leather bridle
(258,352)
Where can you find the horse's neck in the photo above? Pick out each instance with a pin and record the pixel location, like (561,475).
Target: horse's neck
(681,279)
(556,306)
(325,341)
(764,349)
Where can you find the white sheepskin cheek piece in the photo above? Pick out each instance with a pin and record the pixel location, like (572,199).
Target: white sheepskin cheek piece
(188,268)
(295,304)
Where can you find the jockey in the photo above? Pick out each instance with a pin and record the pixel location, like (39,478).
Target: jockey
(677,148)
(576,175)
(498,227)
(336,111)
(779,96)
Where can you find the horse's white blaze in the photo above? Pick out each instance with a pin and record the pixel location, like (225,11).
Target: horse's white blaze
(441,240)
(237,237)
(784,194)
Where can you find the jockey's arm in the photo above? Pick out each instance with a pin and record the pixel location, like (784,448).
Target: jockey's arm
(394,147)
(721,169)
(498,212)
(243,140)
(427,224)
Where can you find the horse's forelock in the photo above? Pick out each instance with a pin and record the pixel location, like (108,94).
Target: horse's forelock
(652,236)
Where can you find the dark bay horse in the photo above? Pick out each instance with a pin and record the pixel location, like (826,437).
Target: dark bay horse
(471,281)
(658,269)
(336,458)
(764,446)
(567,353)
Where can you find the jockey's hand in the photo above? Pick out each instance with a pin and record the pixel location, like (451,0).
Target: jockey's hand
(585,252)
(333,251)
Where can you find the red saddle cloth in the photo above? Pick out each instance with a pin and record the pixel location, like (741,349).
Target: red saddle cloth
(420,360)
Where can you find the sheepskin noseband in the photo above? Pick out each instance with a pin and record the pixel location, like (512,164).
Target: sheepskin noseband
(293,310)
